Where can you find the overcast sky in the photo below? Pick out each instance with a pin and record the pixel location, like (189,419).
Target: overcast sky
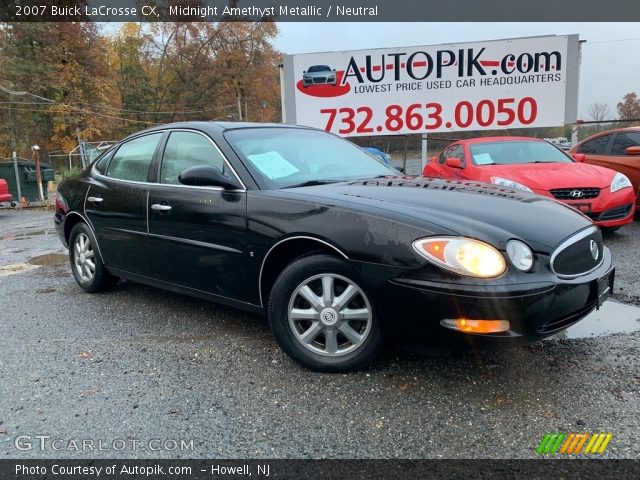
(610,58)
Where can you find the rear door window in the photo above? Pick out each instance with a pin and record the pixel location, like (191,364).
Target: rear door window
(597,146)
(132,160)
(624,141)
(101,164)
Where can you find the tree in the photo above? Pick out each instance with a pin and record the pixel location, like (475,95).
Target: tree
(132,80)
(599,112)
(629,107)
(65,63)
(23,67)
(81,77)
(247,68)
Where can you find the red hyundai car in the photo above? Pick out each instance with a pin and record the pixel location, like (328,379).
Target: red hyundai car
(605,196)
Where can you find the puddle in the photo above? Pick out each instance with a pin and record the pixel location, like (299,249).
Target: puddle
(48,259)
(613,317)
(26,236)
(15,268)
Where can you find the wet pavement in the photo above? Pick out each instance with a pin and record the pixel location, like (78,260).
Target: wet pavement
(140,363)
(613,317)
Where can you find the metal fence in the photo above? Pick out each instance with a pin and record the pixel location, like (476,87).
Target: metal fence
(78,158)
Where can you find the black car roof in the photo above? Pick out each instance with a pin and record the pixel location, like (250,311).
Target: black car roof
(215,125)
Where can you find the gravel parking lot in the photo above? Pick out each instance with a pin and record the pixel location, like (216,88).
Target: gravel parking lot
(142,364)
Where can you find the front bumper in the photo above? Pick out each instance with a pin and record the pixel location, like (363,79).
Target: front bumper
(412,309)
(607,209)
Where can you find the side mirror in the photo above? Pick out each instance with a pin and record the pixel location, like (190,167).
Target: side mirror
(207,176)
(453,162)
(579,157)
(433,159)
(400,169)
(635,150)
(304,71)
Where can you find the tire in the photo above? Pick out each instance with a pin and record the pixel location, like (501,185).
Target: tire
(82,254)
(309,324)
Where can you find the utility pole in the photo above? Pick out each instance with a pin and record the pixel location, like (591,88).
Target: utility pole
(12,126)
(423,154)
(81,145)
(35,153)
(15,169)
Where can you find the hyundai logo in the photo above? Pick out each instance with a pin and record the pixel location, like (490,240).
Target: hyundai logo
(576,193)
(593,246)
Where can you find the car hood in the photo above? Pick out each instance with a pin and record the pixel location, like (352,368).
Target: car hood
(546,176)
(483,211)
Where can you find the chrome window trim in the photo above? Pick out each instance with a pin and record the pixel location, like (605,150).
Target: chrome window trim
(95,172)
(297,237)
(567,243)
(226,161)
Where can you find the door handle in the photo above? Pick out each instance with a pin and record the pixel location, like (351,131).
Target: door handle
(160,208)
(95,199)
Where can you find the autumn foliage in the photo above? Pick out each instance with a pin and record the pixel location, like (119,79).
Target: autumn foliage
(104,83)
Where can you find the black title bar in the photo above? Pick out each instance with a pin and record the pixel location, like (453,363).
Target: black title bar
(319,10)
(119,469)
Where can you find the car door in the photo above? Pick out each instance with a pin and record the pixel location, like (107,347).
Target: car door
(454,151)
(116,204)
(198,234)
(596,150)
(436,167)
(622,162)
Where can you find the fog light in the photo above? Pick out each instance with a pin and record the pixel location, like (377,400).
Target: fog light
(476,326)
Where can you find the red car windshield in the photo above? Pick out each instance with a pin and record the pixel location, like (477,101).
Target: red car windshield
(515,152)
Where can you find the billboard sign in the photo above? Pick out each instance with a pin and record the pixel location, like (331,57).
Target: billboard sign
(515,83)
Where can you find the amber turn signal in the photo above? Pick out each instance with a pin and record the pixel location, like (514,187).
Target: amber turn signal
(476,326)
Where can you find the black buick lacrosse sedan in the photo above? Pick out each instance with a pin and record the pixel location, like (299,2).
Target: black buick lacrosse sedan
(337,249)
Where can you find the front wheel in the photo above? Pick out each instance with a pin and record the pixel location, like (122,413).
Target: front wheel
(86,262)
(322,317)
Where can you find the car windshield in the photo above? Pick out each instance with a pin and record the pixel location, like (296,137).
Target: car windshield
(515,152)
(319,68)
(286,157)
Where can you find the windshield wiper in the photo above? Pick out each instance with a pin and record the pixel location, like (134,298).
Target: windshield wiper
(311,183)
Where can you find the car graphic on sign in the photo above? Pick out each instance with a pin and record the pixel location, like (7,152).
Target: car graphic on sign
(319,75)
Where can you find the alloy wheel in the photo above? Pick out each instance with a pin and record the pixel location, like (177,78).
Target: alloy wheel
(84,257)
(330,315)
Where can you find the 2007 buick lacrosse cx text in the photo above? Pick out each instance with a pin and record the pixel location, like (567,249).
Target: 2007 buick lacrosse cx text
(339,250)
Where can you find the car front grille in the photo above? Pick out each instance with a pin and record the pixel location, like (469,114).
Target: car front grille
(575,256)
(319,79)
(566,321)
(575,193)
(611,214)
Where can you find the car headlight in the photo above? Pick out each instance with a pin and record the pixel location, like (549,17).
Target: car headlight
(619,182)
(520,255)
(505,182)
(464,256)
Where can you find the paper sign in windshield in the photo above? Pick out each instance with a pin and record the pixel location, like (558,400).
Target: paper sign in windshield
(273,165)
(483,159)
